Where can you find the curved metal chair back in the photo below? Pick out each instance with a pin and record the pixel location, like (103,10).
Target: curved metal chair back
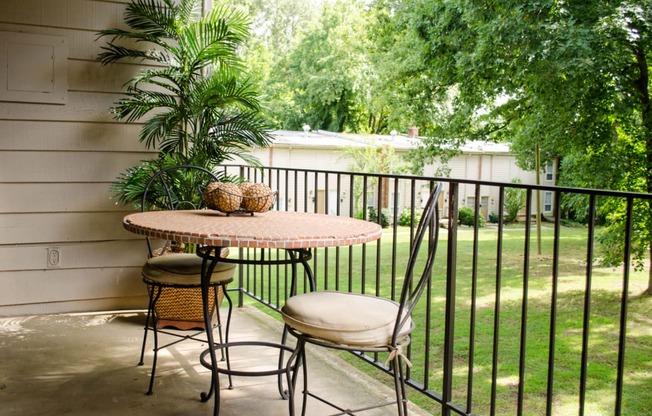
(420,262)
(362,323)
(174,188)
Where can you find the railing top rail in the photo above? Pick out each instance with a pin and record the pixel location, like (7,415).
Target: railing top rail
(553,188)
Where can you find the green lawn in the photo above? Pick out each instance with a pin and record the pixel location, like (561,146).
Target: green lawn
(603,340)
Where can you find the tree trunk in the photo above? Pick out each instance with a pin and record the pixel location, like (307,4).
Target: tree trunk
(537,163)
(642,85)
(649,276)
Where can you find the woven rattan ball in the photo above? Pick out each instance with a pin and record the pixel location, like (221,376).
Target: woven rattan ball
(257,197)
(222,196)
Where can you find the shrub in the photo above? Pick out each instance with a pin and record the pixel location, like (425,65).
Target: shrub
(514,202)
(373,216)
(467,217)
(493,218)
(406,216)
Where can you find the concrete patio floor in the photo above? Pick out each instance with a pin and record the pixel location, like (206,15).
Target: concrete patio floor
(86,364)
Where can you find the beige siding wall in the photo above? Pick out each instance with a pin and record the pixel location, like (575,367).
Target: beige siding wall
(56,165)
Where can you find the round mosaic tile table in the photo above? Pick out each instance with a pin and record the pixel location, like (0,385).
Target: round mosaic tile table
(296,232)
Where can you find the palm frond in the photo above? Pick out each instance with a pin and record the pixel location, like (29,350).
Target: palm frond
(129,187)
(239,23)
(116,34)
(175,141)
(113,53)
(166,78)
(152,17)
(248,129)
(140,102)
(197,109)
(188,10)
(224,91)
(163,131)
(211,44)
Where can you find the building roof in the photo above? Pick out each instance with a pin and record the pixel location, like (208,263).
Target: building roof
(328,140)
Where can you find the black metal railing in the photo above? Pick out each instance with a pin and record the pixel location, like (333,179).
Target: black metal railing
(520,318)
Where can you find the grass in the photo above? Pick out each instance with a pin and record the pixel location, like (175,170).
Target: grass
(537,290)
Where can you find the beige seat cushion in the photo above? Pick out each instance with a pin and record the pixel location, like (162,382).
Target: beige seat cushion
(344,318)
(183,269)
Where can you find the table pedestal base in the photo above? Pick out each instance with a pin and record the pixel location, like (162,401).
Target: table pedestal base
(282,369)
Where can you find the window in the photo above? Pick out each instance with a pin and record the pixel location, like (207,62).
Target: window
(547,201)
(371,199)
(550,174)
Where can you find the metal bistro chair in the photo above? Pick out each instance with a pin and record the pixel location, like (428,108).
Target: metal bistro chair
(173,273)
(363,323)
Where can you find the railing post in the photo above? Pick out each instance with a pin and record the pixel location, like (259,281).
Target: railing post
(449,326)
(241,272)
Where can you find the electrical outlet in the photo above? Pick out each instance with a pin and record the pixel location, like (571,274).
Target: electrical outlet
(54,257)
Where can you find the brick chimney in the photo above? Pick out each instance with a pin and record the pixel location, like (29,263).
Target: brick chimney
(413,132)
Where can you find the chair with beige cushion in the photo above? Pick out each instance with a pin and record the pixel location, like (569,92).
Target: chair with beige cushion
(172,272)
(363,323)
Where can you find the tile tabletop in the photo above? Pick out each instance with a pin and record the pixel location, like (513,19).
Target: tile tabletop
(272,229)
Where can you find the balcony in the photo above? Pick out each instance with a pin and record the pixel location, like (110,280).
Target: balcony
(505,328)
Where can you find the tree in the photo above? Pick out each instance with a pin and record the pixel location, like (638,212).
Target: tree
(199,107)
(374,158)
(326,71)
(571,77)
(279,24)
(514,202)
(324,66)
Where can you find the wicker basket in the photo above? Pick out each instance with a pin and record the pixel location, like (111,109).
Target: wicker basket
(244,199)
(257,197)
(182,308)
(222,196)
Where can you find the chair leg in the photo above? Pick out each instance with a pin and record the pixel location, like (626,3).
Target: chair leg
(156,293)
(150,308)
(399,387)
(304,362)
(295,361)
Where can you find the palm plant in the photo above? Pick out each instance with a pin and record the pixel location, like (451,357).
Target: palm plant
(198,106)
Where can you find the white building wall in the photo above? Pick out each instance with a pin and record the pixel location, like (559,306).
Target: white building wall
(472,165)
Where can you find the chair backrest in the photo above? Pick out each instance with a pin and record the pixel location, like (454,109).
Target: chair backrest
(176,187)
(420,262)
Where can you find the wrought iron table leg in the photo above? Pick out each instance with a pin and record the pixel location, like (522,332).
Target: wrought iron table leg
(225,351)
(303,256)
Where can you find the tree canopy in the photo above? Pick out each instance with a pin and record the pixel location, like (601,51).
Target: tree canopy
(568,79)
(563,81)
